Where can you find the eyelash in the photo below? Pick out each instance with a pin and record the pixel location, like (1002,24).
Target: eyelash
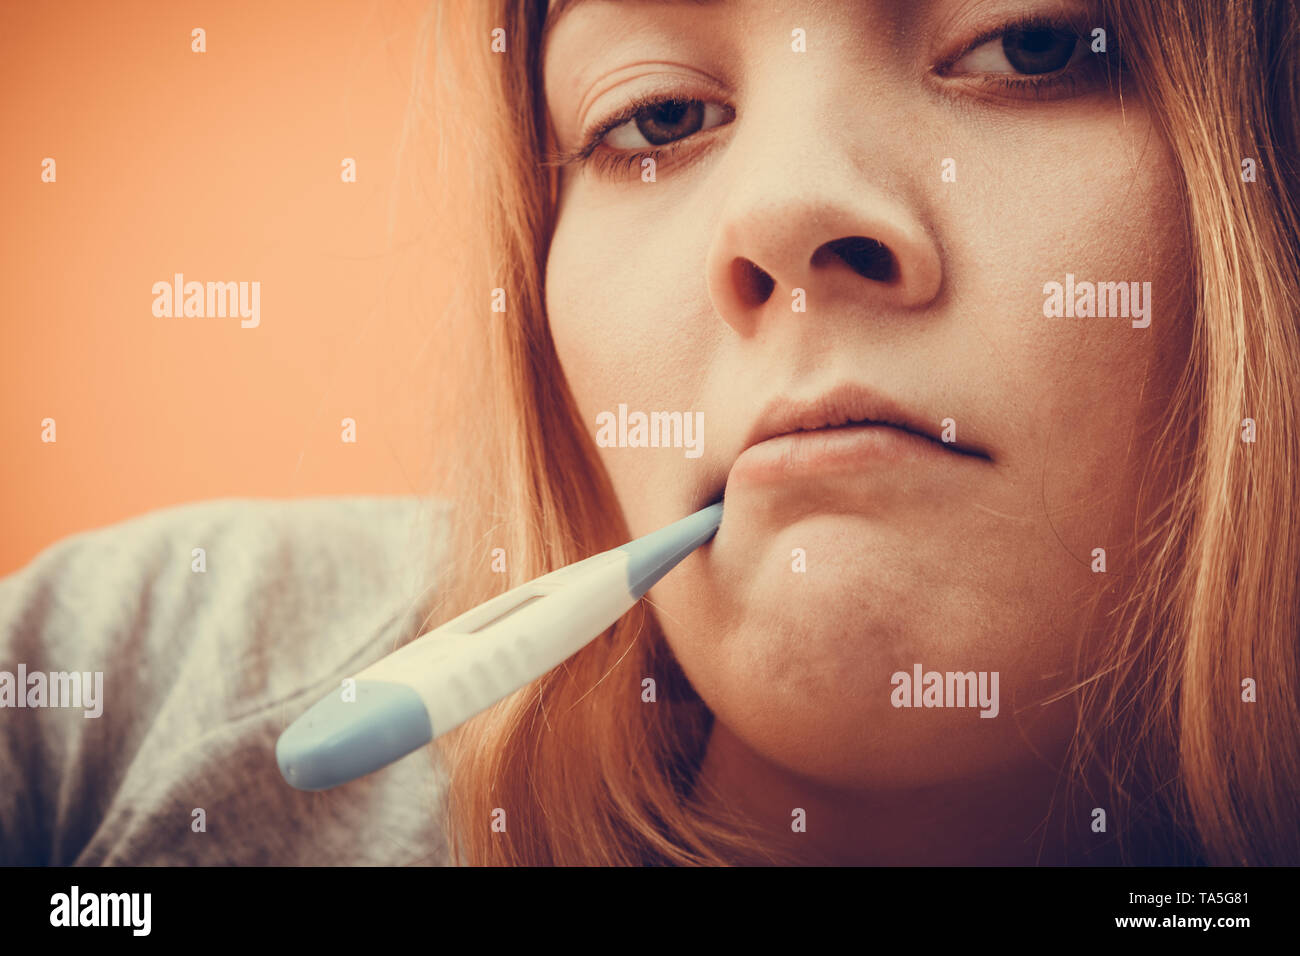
(1066,81)
(612,162)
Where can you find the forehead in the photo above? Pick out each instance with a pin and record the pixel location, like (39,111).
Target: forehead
(557,10)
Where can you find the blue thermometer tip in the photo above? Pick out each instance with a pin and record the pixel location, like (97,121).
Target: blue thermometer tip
(338,740)
(655,554)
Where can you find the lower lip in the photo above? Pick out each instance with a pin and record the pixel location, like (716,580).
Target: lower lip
(849,449)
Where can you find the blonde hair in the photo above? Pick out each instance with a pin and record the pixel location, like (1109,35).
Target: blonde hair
(588,774)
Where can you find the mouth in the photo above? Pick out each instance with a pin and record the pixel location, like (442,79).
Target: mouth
(849,419)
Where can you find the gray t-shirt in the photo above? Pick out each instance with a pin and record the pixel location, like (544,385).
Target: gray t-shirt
(202,670)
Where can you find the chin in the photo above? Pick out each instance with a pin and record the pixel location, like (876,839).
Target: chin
(806,674)
(847,743)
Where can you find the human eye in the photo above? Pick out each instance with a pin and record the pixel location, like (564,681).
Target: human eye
(1037,57)
(653,125)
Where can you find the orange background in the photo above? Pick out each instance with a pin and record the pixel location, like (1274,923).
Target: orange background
(225,166)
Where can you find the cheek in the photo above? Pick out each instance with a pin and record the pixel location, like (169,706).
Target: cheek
(632,324)
(1081,396)
(588,339)
(596,342)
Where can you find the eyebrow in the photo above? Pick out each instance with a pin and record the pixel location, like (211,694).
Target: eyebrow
(564,6)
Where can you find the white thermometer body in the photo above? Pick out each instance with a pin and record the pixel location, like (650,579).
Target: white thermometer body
(444,677)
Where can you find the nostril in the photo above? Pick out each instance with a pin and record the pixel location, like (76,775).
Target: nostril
(869,258)
(752,284)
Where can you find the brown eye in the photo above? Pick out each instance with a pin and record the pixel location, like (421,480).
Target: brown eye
(1038,51)
(1025,52)
(664,122)
(670,120)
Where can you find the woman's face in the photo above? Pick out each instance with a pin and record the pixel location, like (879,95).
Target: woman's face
(914,174)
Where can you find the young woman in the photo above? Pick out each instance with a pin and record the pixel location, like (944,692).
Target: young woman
(983,319)
(1049,248)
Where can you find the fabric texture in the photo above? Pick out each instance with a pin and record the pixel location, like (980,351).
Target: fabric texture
(202,670)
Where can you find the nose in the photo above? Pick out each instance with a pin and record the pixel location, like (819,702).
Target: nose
(832,233)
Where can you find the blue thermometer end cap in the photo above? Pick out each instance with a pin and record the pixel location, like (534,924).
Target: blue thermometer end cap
(339,739)
(657,553)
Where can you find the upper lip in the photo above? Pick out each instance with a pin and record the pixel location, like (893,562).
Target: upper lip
(848,403)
